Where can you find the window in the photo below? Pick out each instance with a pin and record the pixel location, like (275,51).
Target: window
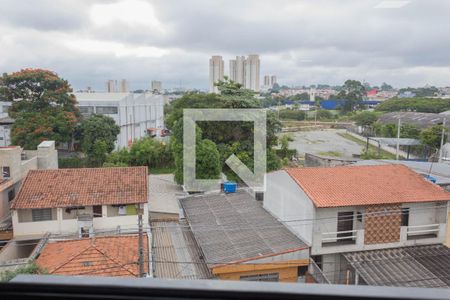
(302,271)
(359,216)
(261,277)
(44,214)
(97,211)
(6,172)
(318,260)
(11,195)
(86,110)
(106,110)
(345,224)
(405,216)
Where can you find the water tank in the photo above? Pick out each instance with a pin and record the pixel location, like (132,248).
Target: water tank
(229,187)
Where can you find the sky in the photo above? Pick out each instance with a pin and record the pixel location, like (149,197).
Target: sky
(403,43)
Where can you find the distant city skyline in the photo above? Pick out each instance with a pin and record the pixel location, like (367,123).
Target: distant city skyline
(302,42)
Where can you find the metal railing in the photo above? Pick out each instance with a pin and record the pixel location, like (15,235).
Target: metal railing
(418,230)
(317,273)
(333,237)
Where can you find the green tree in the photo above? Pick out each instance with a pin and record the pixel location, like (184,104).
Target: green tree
(409,131)
(151,152)
(229,137)
(42,105)
(98,134)
(428,105)
(386,87)
(365,118)
(352,92)
(431,136)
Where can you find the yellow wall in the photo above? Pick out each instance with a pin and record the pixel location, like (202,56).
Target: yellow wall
(288,270)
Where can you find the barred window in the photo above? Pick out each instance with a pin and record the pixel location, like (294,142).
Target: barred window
(44,214)
(107,110)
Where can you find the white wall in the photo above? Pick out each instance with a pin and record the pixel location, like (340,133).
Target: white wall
(136,112)
(287,202)
(61,226)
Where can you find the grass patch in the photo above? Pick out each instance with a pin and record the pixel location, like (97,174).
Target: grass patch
(372,149)
(331,153)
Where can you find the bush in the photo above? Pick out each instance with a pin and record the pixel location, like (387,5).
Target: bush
(291,114)
(31,268)
(323,114)
(72,162)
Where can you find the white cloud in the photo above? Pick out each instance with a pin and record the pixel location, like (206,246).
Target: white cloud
(392,4)
(130,12)
(118,49)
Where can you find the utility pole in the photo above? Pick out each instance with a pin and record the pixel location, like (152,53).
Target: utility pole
(398,138)
(141,244)
(442,140)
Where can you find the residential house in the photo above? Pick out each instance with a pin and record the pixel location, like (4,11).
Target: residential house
(15,164)
(81,201)
(242,241)
(99,256)
(356,208)
(439,173)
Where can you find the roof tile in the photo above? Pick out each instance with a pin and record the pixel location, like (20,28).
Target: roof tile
(365,185)
(100,256)
(80,187)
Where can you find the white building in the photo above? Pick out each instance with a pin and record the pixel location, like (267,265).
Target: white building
(357,208)
(237,71)
(156,86)
(134,113)
(251,67)
(81,202)
(113,87)
(215,72)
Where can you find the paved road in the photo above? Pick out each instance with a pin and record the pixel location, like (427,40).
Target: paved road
(320,141)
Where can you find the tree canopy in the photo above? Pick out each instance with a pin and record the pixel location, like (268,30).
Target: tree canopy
(229,137)
(428,105)
(353,92)
(98,133)
(41,104)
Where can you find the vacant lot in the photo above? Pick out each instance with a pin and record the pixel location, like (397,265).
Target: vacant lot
(324,141)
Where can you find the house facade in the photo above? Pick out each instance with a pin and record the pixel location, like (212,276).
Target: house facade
(356,208)
(81,202)
(15,164)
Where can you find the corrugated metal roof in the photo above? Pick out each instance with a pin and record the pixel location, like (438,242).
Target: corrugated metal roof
(421,120)
(175,252)
(417,266)
(234,227)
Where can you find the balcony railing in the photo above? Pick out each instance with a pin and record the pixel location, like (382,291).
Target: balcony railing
(347,237)
(422,231)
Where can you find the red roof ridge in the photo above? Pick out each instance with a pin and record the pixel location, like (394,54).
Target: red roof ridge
(120,265)
(70,259)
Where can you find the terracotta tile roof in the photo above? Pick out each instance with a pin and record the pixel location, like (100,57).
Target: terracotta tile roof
(81,187)
(365,185)
(100,256)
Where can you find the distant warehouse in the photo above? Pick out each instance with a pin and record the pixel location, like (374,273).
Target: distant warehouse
(134,113)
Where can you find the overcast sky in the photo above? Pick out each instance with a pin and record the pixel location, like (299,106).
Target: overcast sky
(302,42)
